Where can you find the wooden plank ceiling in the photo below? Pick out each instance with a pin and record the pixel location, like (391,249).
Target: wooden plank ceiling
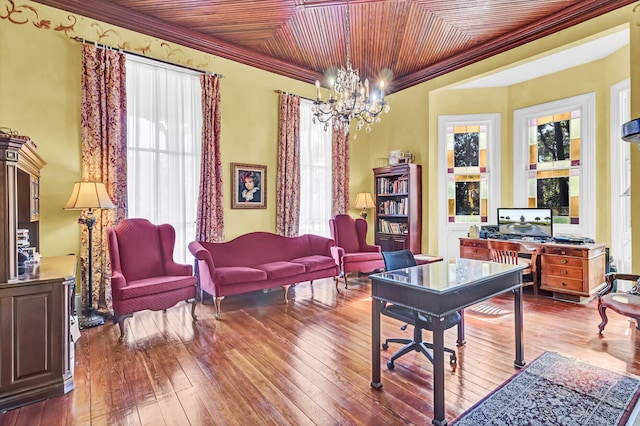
(406,42)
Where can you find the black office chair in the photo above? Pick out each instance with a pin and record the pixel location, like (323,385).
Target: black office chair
(404,259)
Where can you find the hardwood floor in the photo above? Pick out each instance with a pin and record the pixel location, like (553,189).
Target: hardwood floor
(307,362)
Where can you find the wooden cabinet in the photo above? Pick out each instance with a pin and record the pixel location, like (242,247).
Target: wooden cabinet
(35,347)
(474,248)
(573,273)
(398,218)
(19,199)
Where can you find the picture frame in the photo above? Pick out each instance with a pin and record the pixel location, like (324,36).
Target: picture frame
(248,186)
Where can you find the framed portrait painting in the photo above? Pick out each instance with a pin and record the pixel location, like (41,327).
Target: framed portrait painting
(249,186)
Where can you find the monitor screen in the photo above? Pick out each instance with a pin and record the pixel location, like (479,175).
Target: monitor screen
(526,222)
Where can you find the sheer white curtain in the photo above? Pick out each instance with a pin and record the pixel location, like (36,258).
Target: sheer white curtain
(164,132)
(315,174)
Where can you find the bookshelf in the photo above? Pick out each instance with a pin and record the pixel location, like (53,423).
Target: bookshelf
(398,200)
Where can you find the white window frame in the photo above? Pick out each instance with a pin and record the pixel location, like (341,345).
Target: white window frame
(449,233)
(315,196)
(587,105)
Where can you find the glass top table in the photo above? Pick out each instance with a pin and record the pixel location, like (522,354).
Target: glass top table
(439,289)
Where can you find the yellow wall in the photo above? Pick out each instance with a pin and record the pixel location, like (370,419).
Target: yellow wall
(40,80)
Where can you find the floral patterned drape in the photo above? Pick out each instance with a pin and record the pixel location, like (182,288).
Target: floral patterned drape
(104,157)
(288,180)
(340,175)
(210,221)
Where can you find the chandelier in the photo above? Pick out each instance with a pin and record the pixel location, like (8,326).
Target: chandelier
(349,98)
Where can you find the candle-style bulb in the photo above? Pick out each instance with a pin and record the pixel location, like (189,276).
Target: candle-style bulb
(318,89)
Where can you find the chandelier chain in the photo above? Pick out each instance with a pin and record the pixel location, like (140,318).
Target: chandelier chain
(348,35)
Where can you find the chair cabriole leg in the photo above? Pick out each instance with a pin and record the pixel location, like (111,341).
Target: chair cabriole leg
(121,319)
(218,310)
(193,309)
(603,315)
(286,292)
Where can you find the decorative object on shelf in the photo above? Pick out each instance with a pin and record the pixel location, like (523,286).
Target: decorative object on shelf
(364,202)
(248,186)
(87,196)
(349,98)
(395,156)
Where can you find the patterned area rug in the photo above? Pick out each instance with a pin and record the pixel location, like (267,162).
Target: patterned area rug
(555,390)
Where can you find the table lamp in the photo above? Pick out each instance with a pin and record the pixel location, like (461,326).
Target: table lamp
(364,202)
(89,196)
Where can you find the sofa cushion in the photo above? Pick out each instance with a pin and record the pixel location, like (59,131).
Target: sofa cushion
(362,257)
(281,269)
(238,274)
(315,262)
(155,285)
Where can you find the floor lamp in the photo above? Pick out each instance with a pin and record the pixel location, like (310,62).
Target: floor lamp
(89,196)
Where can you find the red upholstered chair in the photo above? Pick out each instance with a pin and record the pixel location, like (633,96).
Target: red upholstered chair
(352,253)
(143,273)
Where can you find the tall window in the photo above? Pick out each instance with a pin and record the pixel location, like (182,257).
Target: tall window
(554,165)
(315,174)
(554,157)
(164,132)
(467,173)
(468,176)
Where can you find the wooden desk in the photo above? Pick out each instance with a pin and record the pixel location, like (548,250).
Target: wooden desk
(573,272)
(439,289)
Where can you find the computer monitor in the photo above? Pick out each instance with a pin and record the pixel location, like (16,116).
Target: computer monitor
(526,222)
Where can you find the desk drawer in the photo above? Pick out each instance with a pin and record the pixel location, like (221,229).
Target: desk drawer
(477,253)
(561,283)
(574,262)
(562,271)
(566,251)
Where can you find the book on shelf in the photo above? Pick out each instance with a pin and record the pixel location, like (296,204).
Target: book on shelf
(394,207)
(393,186)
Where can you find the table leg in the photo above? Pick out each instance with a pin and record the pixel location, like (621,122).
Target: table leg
(438,373)
(517,309)
(461,340)
(375,343)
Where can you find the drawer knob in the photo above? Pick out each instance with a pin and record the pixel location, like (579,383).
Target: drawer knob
(564,272)
(563,261)
(564,284)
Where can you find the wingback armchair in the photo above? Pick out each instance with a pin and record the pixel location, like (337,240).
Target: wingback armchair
(352,253)
(143,273)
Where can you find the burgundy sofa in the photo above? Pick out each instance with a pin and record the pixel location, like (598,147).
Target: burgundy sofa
(261,260)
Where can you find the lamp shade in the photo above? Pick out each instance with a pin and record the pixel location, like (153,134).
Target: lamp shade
(364,200)
(89,195)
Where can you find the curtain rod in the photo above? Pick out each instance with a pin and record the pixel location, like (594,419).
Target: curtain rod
(282,92)
(117,49)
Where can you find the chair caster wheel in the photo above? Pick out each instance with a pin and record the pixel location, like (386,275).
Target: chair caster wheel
(390,365)
(385,346)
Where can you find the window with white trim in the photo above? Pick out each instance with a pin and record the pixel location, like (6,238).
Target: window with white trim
(315,174)
(554,154)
